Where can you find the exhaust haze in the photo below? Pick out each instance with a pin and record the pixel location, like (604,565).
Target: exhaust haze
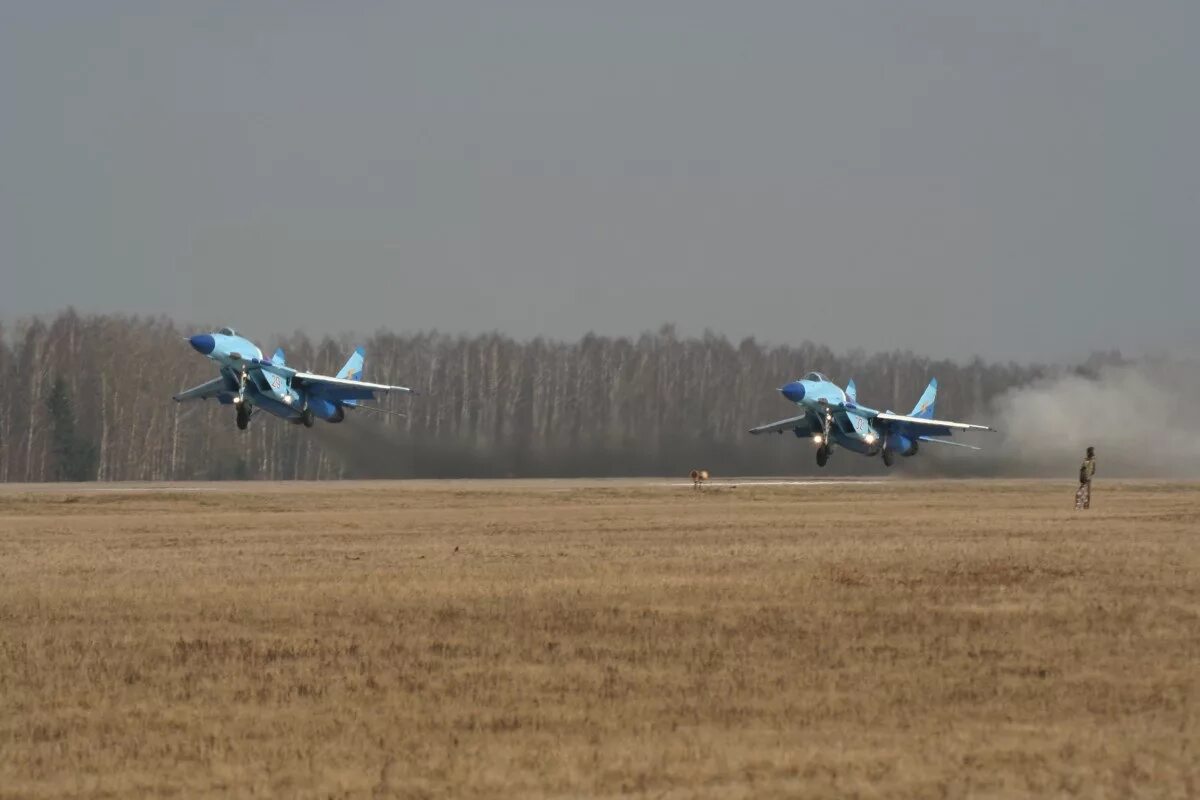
(1138,416)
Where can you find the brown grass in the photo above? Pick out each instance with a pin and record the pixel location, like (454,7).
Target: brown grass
(564,639)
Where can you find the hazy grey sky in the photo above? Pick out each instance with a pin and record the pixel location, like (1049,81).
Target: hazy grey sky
(1017,179)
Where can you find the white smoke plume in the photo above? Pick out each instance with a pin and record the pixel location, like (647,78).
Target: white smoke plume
(1142,418)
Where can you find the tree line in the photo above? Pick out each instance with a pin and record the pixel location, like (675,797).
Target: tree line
(88,397)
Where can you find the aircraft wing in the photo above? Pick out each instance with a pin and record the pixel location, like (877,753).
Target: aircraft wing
(801,424)
(342,389)
(282,370)
(327,386)
(213,388)
(920,426)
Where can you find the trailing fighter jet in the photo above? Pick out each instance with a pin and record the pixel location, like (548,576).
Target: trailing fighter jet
(249,381)
(832,417)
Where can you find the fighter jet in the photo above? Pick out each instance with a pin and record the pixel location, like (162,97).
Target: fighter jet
(248,381)
(833,418)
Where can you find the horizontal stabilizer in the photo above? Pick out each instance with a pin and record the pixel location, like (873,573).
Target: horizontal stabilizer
(949,442)
(361,407)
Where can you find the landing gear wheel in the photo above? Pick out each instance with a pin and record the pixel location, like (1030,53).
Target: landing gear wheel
(822,455)
(888,458)
(243,416)
(307,417)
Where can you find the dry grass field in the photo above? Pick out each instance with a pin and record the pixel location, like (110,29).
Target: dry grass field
(567,639)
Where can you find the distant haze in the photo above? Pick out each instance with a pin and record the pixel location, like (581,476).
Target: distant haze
(1014,180)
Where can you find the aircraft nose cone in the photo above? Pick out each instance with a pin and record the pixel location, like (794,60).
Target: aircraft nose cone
(794,391)
(203,343)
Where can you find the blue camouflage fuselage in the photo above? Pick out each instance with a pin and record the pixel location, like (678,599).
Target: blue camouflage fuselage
(832,417)
(248,380)
(263,389)
(849,426)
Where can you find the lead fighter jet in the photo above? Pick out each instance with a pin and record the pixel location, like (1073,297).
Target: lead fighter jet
(249,381)
(832,417)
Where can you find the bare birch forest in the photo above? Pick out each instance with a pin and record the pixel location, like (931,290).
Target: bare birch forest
(96,389)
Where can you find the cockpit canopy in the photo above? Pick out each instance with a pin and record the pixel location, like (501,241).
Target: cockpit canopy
(227,332)
(816,376)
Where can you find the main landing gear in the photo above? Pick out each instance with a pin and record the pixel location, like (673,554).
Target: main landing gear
(888,458)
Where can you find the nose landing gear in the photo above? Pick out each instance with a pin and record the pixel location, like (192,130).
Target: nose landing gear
(243,408)
(888,458)
(822,455)
(825,448)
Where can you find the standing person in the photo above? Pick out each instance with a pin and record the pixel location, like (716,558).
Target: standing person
(1083,495)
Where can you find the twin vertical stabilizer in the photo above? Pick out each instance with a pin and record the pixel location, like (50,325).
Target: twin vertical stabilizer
(925,406)
(353,370)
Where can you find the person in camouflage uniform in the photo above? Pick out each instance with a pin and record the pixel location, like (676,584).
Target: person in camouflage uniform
(1083,495)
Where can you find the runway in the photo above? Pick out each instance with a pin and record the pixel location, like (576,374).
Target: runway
(733,483)
(458,484)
